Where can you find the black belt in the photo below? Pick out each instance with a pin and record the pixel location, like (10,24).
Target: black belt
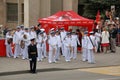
(33,53)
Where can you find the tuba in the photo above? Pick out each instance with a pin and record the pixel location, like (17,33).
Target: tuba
(22,43)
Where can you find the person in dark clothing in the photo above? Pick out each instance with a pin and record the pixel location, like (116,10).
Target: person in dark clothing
(107,15)
(5,31)
(78,32)
(38,29)
(113,36)
(32,53)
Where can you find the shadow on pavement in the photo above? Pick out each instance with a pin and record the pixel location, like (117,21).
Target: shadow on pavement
(27,71)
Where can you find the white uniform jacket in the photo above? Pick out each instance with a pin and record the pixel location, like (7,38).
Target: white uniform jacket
(58,38)
(17,37)
(97,36)
(90,45)
(39,41)
(45,37)
(74,40)
(33,35)
(52,41)
(63,35)
(67,41)
(7,37)
(85,41)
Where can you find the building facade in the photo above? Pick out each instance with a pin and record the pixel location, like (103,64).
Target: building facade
(27,12)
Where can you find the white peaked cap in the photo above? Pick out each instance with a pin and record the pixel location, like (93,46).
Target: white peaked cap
(91,32)
(42,29)
(52,29)
(18,27)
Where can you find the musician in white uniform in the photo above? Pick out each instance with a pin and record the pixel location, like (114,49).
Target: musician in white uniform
(84,46)
(52,47)
(40,41)
(22,29)
(62,35)
(67,46)
(98,41)
(16,41)
(74,42)
(59,44)
(25,41)
(8,41)
(32,33)
(44,43)
(91,48)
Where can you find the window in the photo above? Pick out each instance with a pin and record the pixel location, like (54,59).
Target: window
(12,12)
(22,13)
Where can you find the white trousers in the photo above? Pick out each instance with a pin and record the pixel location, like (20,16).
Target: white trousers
(74,52)
(40,51)
(84,54)
(91,56)
(67,54)
(17,50)
(52,53)
(44,50)
(9,52)
(25,52)
(62,48)
(57,56)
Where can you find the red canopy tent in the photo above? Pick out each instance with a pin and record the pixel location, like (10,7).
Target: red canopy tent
(65,19)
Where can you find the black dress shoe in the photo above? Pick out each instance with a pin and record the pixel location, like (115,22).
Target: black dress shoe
(34,72)
(30,71)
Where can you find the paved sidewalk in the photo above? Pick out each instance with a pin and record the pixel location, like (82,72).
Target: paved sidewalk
(16,65)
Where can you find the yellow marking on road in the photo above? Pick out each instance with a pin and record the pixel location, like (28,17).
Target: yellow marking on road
(113,70)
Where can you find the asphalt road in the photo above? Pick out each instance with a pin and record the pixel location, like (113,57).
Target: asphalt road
(77,74)
(107,67)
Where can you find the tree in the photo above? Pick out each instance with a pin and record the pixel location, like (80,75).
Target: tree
(92,6)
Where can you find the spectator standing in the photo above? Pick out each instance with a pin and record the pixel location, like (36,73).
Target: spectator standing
(105,40)
(5,31)
(113,36)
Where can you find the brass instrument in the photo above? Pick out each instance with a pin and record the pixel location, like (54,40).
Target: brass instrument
(22,43)
(25,36)
(9,41)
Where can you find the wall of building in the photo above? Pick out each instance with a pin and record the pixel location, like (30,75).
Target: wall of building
(1,13)
(35,9)
(45,8)
(31,12)
(56,5)
(70,5)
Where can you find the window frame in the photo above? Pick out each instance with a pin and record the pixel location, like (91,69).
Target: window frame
(9,14)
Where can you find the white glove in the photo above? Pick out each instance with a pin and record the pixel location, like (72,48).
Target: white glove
(30,59)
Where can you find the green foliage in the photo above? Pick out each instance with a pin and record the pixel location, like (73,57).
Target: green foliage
(106,2)
(92,6)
